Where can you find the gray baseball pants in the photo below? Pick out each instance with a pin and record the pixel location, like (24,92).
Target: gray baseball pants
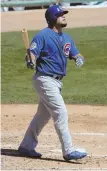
(51,105)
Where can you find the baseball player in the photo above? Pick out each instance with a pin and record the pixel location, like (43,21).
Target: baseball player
(52,48)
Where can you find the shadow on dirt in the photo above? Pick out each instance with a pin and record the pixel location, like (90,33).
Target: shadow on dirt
(15,153)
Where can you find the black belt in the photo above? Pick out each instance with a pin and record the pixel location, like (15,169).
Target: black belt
(56,77)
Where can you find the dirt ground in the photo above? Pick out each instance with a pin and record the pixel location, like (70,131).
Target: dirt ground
(34,20)
(88,124)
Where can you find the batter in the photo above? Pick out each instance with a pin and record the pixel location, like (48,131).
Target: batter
(52,48)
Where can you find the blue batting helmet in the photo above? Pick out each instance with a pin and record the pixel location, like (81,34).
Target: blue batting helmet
(53,12)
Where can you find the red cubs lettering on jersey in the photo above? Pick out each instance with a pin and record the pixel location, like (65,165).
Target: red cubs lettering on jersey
(67,47)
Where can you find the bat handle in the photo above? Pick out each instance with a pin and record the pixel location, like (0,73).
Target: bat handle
(30,63)
(28,52)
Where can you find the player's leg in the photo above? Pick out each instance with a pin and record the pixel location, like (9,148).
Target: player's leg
(41,118)
(49,91)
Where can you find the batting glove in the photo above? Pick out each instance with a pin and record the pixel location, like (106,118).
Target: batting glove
(30,64)
(79,61)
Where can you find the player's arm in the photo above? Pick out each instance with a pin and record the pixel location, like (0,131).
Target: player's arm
(30,64)
(35,49)
(75,55)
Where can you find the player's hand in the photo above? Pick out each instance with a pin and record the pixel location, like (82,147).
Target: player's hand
(79,61)
(29,63)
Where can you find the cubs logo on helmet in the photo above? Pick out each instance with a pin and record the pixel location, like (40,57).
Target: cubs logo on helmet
(66,49)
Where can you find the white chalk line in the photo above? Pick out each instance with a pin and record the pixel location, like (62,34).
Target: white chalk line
(18,133)
(89,134)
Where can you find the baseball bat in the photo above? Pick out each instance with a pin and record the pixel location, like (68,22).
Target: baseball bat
(26,43)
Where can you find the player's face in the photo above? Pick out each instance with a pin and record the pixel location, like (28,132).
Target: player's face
(61,21)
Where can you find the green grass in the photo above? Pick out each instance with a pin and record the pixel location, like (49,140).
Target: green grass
(86,85)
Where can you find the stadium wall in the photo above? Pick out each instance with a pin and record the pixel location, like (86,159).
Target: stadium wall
(18,5)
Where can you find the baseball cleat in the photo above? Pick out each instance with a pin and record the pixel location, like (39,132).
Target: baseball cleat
(25,152)
(75,155)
